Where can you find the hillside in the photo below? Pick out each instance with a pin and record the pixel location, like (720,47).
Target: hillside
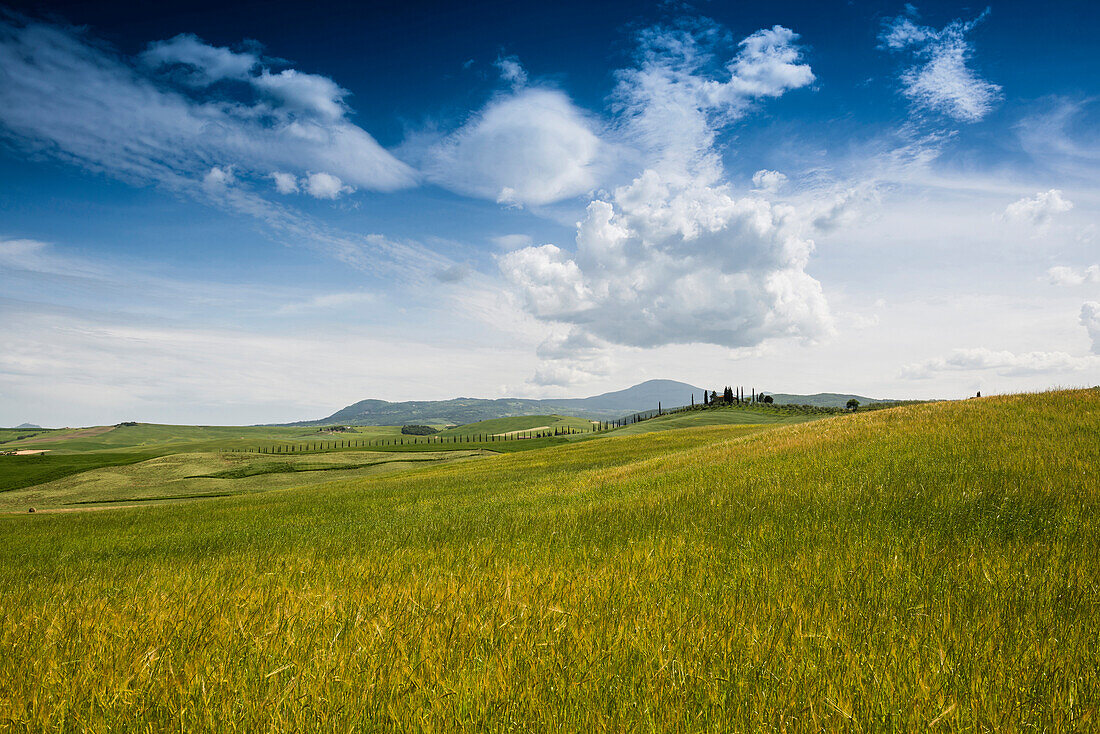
(607,406)
(822,399)
(644,396)
(928,565)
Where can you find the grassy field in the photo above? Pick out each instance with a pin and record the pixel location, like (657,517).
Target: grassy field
(713,417)
(164,439)
(927,566)
(503,426)
(17,472)
(205,475)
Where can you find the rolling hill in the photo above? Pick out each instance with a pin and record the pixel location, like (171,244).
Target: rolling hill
(822,399)
(641,397)
(644,396)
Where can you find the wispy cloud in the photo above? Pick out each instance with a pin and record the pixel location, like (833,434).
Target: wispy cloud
(167,119)
(941,80)
(330,301)
(672,104)
(139,121)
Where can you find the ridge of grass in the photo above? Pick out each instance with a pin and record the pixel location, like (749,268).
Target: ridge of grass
(285,467)
(18,472)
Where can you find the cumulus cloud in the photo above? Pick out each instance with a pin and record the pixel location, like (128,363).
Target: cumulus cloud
(675,257)
(528,147)
(570,356)
(189,106)
(770,181)
(941,80)
(218,179)
(285,183)
(325,186)
(1066,276)
(1038,210)
(1002,362)
(666,264)
(1090,319)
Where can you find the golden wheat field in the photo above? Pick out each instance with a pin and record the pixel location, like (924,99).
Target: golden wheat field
(931,566)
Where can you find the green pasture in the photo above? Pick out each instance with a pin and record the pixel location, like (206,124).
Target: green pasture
(175,439)
(17,472)
(731,416)
(196,476)
(503,426)
(933,566)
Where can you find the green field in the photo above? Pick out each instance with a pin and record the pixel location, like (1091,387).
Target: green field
(75,450)
(152,437)
(205,475)
(927,566)
(502,426)
(714,417)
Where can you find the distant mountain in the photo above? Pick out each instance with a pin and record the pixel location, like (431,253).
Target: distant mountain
(28,425)
(469,410)
(822,399)
(641,397)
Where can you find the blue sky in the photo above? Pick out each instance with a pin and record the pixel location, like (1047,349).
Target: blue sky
(264,212)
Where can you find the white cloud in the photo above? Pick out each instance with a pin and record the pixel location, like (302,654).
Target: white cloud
(530,147)
(941,80)
(1038,210)
(830,212)
(285,183)
(308,93)
(22,254)
(673,105)
(1065,276)
(667,264)
(218,179)
(200,63)
(67,95)
(70,369)
(675,257)
(1090,319)
(770,181)
(511,71)
(325,186)
(1003,363)
(571,356)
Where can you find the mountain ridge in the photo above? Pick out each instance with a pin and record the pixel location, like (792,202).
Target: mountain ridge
(605,406)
